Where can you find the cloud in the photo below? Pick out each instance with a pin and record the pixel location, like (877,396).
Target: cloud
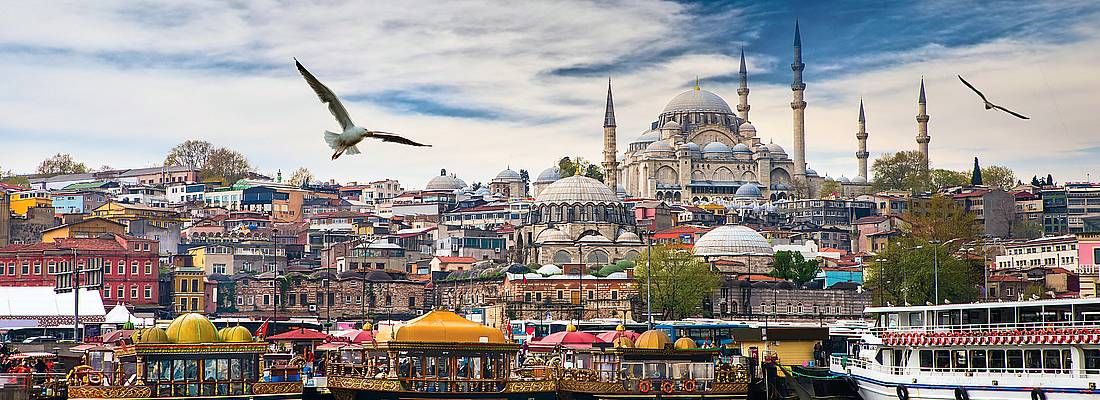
(492,86)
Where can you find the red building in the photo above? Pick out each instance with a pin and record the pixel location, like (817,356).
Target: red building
(123,268)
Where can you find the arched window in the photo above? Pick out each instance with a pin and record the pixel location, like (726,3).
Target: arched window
(562,257)
(571,214)
(631,255)
(597,257)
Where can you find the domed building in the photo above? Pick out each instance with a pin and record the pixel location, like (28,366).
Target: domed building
(509,184)
(577,219)
(545,178)
(735,249)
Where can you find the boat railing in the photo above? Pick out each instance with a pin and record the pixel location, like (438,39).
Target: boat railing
(1009,326)
(849,363)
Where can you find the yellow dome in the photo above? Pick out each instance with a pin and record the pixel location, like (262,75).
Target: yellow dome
(447,327)
(367,326)
(236,334)
(152,335)
(654,339)
(623,342)
(684,343)
(570,328)
(192,328)
(620,328)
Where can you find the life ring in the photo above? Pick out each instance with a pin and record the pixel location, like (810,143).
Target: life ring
(667,386)
(1037,394)
(689,385)
(645,386)
(960,394)
(903,392)
(95,379)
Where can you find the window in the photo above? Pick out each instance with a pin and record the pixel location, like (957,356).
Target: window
(148,268)
(412,302)
(538,296)
(926,360)
(194,286)
(51,268)
(527,297)
(25,268)
(194,304)
(183,285)
(107,291)
(943,359)
(134,268)
(1015,360)
(121,267)
(148,292)
(219,269)
(121,291)
(561,295)
(267,300)
(11,268)
(133,292)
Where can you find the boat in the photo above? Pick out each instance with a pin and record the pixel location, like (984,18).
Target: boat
(1034,350)
(651,366)
(439,355)
(190,359)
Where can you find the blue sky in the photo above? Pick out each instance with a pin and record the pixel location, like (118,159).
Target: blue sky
(521,84)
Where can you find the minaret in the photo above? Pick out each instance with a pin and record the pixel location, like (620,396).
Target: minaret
(862,154)
(610,163)
(743,91)
(798,104)
(922,125)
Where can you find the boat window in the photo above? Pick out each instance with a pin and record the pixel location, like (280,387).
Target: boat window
(996,360)
(943,359)
(1052,361)
(1033,360)
(1092,361)
(235,369)
(959,360)
(1067,360)
(977,360)
(177,370)
(926,360)
(210,370)
(1016,360)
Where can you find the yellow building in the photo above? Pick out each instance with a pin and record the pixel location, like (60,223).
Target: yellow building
(88,228)
(22,201)
(125,213)
(188,287)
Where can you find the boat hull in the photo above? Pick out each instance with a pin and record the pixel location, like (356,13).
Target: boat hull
(872,389)
(264,391)
(346,388)
(582,390)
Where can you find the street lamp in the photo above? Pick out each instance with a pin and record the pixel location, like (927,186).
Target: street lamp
(936,267)
(580,281)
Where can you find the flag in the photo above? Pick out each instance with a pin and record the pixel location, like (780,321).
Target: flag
(262,332)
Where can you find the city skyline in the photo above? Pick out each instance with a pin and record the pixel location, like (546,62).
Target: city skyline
(483,83)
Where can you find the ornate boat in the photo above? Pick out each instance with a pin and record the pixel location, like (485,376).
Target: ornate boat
(191,359)
(439,355)
(651,367)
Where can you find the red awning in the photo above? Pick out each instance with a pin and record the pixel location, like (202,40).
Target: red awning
(300,334)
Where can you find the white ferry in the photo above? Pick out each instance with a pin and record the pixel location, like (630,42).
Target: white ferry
(1034,350)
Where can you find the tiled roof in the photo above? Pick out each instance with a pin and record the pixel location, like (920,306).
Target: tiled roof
(456,260)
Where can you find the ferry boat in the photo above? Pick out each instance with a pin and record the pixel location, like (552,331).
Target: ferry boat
(191,359)
(652,366)
(1036,350)
(439,355)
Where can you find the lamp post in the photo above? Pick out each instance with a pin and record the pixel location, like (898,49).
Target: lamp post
(328,306)
(936,267)
(363,303)
(580,281)
(76,299)
(648,279)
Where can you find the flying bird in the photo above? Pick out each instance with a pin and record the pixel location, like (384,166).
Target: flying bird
(345,141)
(989,105)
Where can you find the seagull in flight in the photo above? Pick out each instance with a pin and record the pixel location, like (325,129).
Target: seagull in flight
(989,105)
(345,141)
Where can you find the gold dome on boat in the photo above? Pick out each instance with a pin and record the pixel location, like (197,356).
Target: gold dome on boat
(652,339)
(192,328)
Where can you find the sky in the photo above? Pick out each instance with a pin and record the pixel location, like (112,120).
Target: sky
(521,84)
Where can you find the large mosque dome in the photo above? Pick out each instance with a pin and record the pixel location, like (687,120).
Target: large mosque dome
(697,100)
(577,189)
(732,240)
(445,182)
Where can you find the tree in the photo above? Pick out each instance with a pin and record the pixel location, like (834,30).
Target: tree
(976,174)
(61,164)
(830,188)
(943,178)
(996,176)
(301,177)
(942,220)
(526,178)
(595,172)
(1035,290)
(1035,181)
(1050,180)
(1026,230)
(903,170)
(193,154)
(475,186)
(906,273)
(225,165)
(680,282)
(11,179)
(791,265)
(569,167)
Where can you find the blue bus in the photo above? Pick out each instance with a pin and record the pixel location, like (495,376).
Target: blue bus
(709,332)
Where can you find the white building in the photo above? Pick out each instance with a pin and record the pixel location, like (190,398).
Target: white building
(381,191)
(1050,252)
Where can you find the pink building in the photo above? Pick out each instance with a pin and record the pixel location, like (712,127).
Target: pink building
(1088,249)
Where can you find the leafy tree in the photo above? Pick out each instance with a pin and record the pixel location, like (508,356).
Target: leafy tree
(1050,180)
(526,178)
(1035,290)
(791,265)
(942,220)
(475,186)
(830,188)
(904,271)
(976,174)
(996,176)
(680,282)
(569,167)
(595,172)
(225,165)
(942,178)
(1035,181)
(1026,230)
(301,177)
(193,154)
(903,170)
(61,164)
(16,180)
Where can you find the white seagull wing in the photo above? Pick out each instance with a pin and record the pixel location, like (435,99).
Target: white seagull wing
(325,94)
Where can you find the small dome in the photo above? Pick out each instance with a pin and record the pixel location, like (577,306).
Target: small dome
(859,179)
(684,343)
(761,148)
(549,269)
(192,328)
(697,100)
(623,342)
(236,334)
(549,175)
(552,235)
(367,326)
(844,179)
(379,276)
(594,238)
(776,149)
(570,328)
(627,236)
(508,175)
(746,127)
(671,125)
(444,182)
(577,189)
(693,147)
(716,147)
(749,190)
(732,240)
(152,335)
(659,146)
(741,148)
(648,136)
(440,326)
(620,328)
(810,172)
(653,339)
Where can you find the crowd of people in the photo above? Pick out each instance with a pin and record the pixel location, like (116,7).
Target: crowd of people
(12,363)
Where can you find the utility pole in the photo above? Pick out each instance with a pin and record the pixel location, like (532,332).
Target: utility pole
(648,279)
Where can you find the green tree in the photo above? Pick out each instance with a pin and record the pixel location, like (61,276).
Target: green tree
(1035,181)
(942,220)
(976,174)
(1035,290)
(791,265)
(301,177)
(61,164)
(569,167)
(10,178)
(680,282)
(830,188)
(192,154)
(996,176)
(942,178)
(1027,230)
(903,273)
(903,170)
(225,165)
